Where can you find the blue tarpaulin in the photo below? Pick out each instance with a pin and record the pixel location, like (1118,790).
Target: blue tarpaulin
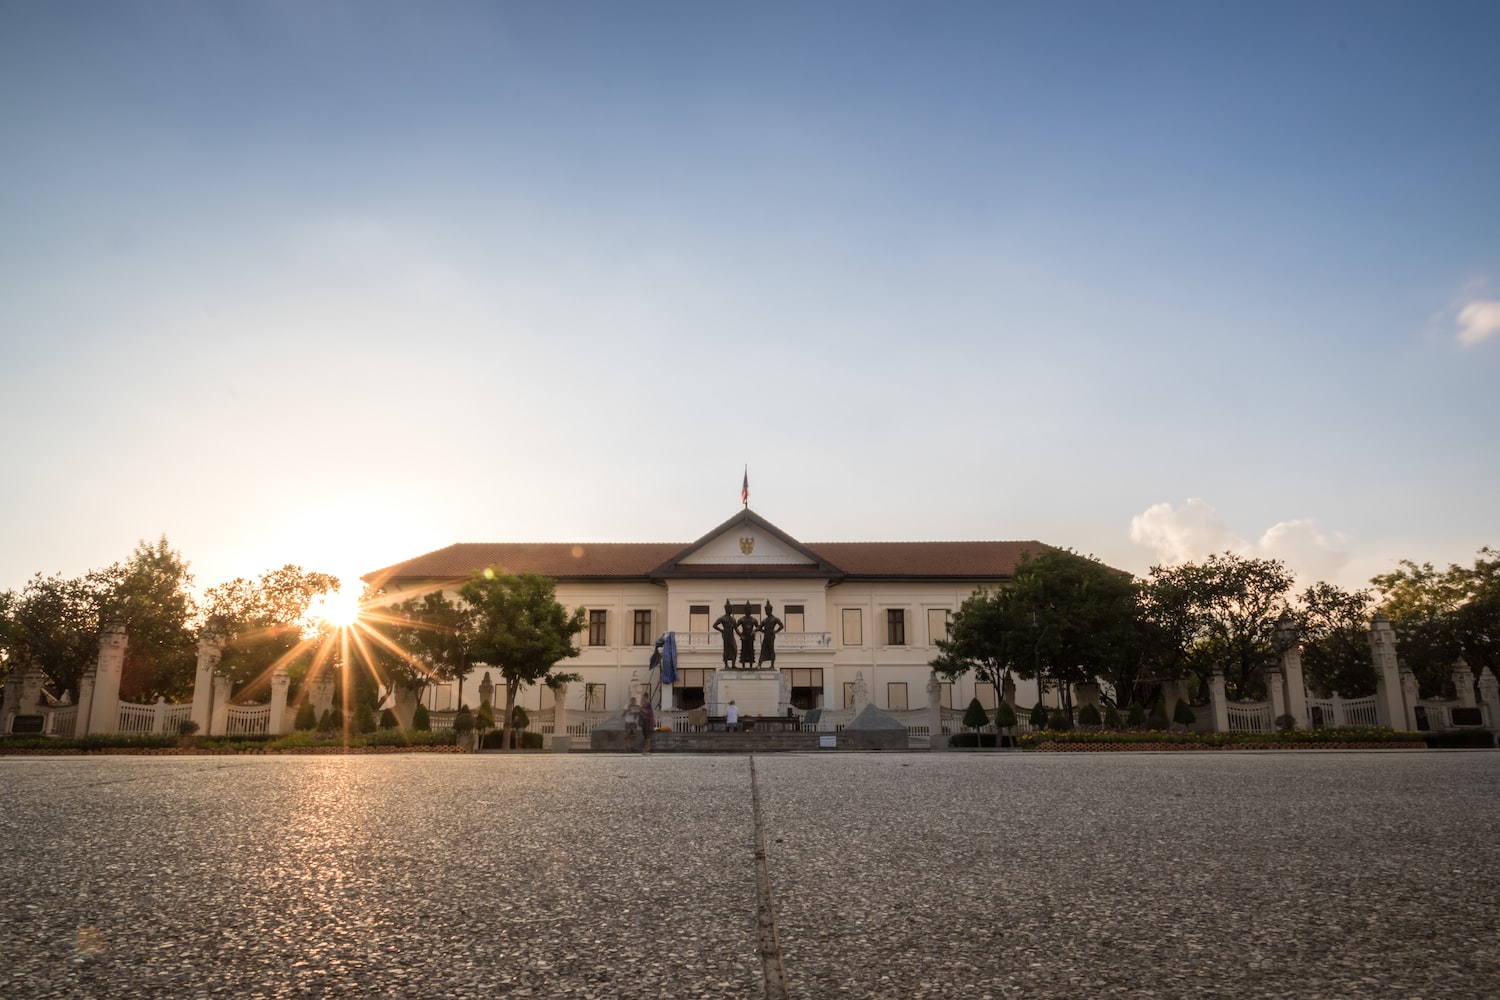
(669,658)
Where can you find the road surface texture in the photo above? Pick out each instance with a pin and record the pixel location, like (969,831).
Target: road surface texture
(1309,874)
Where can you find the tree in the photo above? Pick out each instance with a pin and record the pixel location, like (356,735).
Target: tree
(1439,616)
(975,717)
(982,637)
(519,628)
(51,625)
(150,595)
(264,623)
(419,639)
(1335,627)
(1223,613)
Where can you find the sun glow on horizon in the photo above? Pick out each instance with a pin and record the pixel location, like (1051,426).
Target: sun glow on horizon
(339,608)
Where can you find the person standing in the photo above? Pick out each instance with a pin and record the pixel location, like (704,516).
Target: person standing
(648,724)
(632,721)
(732,717)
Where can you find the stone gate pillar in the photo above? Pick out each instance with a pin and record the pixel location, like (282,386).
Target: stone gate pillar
(320,693)
(209,650)
(104,712)
(1218,700)
(1390,708)
(218,719)
(1288,641)
(1463,682)
(1489,696)
(405,705)
(560,741)
(1276,693)
(1410,693)
(277,724)
(937,741)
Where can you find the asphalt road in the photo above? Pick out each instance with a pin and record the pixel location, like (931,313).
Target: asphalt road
(889,875)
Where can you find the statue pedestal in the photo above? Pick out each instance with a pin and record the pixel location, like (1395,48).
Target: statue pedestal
(754,692)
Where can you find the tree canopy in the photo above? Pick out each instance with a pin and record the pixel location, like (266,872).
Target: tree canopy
(518,628)
(1440,615)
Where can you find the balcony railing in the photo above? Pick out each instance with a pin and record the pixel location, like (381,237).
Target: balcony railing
(784,640)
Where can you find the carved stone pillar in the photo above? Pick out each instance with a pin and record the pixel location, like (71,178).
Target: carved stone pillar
(1276,693)
(1410,693)
(1489,697)
(937,741)
(203,681)
(1390,709)
(405,705)
(1463,683)
(218,719)
(279,723)
(560,742)
(1289,643)
(104,713)
(1218,701)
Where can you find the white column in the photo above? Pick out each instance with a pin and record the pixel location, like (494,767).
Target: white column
(277,725)
(1277,695)
(937,740)
(405,705)
(1289,642)
(1218,700)
(203,682)
(1410,693)
(1463,683)
(560,740)
(1489,696)
(85,703)
(159,715)
(1389,706)
(218,720)
(104,713)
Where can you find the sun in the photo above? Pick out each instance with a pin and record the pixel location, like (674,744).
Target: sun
(339,608)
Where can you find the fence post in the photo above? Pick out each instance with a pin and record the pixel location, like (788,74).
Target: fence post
(1288,640)
(1389,708)
(936,739)
(1489,693)
(104,712)
(159,715)
(203,682)
(560,740)
(276,722)
(218,721)
(1463,682)
(1218,701)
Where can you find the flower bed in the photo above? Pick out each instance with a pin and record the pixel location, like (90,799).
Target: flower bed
(1331,738)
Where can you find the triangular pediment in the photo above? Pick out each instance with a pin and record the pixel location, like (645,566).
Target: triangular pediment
(746,543)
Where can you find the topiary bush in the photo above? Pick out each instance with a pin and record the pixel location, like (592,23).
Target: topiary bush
(388,719)
(1137,716)
(1111,717)
(1038,716)
(332,721)
(187,727)
(1183,714)
(421,719)
(307,718)
(1088,715)
(1157,717)
(1285,723)
(463,722)
(363,720)
(972,740)
(975,717)
(1060,721)
(1005,716)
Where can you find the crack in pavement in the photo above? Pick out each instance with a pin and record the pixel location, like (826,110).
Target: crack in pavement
(773,971)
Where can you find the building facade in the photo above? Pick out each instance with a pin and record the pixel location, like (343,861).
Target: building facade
(850,612)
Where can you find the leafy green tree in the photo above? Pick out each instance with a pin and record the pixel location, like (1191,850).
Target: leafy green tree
(1183,714)
(51,624)
(418,640)
(975,717)
(1439,616)
(1005,716)
(519,628)
(307,718)
(1223,612)
(264,624)
(421,719)
(984,636)
(1335,627)
(150,594)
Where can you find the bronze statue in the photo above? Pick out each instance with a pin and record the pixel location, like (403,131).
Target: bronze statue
(725,626)
(769,626)
(747,629)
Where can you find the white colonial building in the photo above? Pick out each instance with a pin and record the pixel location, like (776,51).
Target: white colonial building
(869,612)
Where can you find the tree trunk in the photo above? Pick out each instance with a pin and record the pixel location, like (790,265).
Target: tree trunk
(510,703)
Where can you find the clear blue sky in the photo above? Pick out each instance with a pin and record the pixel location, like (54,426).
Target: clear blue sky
(340,283)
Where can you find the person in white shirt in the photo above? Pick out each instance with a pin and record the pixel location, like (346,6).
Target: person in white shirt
(732,717)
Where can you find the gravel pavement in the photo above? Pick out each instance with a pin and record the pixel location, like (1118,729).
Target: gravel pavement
(890,875)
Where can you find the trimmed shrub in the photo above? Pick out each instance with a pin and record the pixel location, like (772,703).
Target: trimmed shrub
(1136,719)
(363,721)
(1005,716)
(1060,721)
(1157,717)
(1285,723)
(975,717)
(531,741)
(1454,739)
(463,722)
(1183,714)
(972,740)
(484,718)
(421,719)
(187,727)
(1088,715)
(307,718)
(388,719)
(332,721)
(1111,717)
(1038,716)
(519,719)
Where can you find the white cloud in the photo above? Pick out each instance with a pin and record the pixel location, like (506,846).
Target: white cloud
(1479,320)
(1193,532)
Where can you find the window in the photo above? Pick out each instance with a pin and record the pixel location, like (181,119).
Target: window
(945,698)
(598,636)
(691,688)
(807,686)
(642,635)
(895,695)
(698,618)
(854,633)
(937,625)
(895,627)
(985,692)
(795,620)
(848,694)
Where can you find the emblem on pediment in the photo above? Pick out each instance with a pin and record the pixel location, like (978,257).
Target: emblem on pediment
(747,544)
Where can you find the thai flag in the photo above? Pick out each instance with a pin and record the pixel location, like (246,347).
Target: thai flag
(745,488)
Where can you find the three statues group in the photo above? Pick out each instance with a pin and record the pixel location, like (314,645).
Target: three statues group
(746,628)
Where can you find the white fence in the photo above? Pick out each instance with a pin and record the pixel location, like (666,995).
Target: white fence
(247,720)
(1342,712)
(1251,717)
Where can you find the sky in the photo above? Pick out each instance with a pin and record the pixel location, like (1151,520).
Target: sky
(337,284)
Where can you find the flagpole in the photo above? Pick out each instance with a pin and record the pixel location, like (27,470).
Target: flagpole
(745,489)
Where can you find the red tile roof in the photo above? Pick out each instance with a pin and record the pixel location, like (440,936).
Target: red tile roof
(640,561)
